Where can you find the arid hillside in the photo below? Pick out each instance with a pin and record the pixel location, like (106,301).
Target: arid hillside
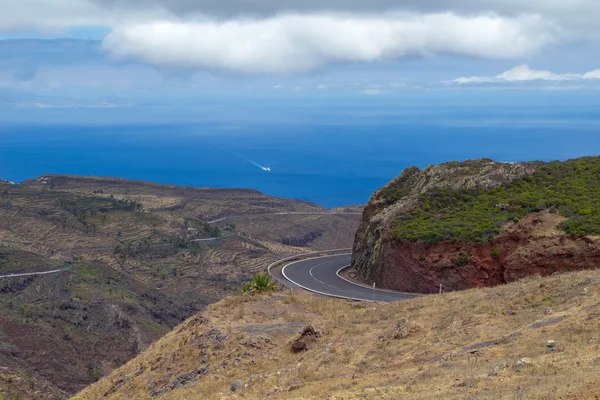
(480,223)
(134,259)
(533,339)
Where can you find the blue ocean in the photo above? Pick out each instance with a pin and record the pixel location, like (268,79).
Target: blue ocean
(331,158)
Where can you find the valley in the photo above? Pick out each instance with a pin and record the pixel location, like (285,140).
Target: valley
(135,259)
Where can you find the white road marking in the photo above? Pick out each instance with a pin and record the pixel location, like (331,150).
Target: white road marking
(318,280)
(317,291)
(378,293)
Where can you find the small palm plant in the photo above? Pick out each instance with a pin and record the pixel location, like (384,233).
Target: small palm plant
(260,283)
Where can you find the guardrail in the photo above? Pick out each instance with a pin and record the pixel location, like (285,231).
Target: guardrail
(304,256)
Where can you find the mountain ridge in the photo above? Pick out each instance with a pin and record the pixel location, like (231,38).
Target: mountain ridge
(462,225)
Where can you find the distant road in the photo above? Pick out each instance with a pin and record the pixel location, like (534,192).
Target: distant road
(321,275)
(214,238)
(314,213)
(32,273)
(288,213)
(217,220)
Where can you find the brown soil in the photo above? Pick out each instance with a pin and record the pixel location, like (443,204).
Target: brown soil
(532,246)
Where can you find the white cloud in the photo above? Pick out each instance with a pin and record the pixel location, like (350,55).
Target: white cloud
(292,36)
(472,79)
(372,92)
(300,43)
(595,74)
(576,14)
(523,73)
(56,16)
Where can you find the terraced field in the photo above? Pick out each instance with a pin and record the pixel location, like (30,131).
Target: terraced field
(141,263)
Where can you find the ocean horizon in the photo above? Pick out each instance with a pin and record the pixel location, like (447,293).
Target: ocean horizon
(339,161)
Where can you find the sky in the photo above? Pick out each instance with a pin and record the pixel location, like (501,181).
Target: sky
(115,53)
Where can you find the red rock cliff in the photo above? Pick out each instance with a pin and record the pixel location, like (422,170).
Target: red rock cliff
(533,245)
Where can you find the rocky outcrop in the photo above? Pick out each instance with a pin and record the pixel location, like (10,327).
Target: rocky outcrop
(532,245)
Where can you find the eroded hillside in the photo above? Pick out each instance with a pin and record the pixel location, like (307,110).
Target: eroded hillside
(134,259)
(533,339)
(480,223)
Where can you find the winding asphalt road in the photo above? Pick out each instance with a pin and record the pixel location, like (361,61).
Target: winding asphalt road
(321,275)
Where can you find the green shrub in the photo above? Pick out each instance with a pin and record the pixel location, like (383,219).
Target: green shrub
(96,374)
(462,259)
(547,299)
(27,311)
(570,188)
(495,253)
(261,282)
(95,371)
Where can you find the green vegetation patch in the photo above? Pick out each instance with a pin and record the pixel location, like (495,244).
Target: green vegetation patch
(572,188)
(83,206)
(13,260)
(260,283)
(86,270)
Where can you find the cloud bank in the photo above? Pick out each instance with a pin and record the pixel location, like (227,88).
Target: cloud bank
(261,37)
(576,12)
(523,73)
(300,43)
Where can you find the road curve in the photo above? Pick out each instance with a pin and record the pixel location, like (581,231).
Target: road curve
(320,275)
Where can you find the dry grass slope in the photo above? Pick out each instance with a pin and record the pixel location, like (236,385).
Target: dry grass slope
(478,344)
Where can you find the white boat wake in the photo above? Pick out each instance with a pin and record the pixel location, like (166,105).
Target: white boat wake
(266,169)
(257,165)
